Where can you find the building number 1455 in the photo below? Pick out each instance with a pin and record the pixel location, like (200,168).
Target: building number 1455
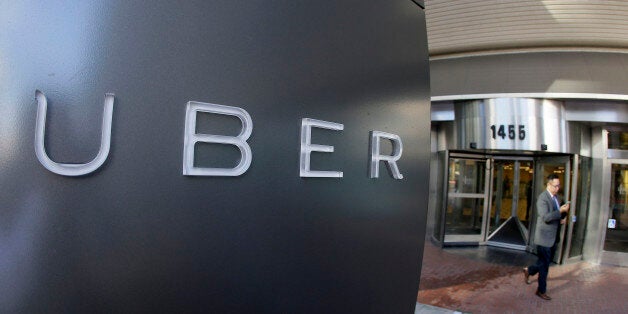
(511,131)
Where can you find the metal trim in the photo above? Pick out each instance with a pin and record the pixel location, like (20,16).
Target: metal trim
(616,154)
(507,246)
(486,219)
(532,95)
(479,157)
(572,210)
(499,228)
(461,238)
(524,231)
(465,195)
(517,158)
(443,209)
(420,3)
(515,187)
(497,52)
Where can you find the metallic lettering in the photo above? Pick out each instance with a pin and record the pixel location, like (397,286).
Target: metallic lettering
(376,157)
(307,147)
(191,138)
(72,169)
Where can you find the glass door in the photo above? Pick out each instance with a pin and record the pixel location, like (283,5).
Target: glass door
(511,203)
(466,200)
(580,193)
(617,226)
(561,166)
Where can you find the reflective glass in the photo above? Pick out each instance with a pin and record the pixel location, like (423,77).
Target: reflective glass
(582,207)
(525,204)
(618,140)
(617,226)
(464,215)
(466,176)
(501,205)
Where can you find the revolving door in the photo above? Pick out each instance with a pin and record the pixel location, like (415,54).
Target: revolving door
(491,199)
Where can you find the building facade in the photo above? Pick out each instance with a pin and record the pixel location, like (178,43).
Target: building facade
(520,90)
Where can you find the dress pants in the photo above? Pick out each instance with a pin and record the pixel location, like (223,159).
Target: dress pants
(545,255)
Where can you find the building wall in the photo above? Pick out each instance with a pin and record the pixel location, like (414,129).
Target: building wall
(137,234)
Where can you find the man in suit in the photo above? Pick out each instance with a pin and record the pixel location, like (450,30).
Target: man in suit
(550,215)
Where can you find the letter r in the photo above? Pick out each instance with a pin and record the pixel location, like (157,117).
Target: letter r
(191,138)
(376,157)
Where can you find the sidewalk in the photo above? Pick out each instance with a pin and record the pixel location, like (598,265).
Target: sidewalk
(490,280)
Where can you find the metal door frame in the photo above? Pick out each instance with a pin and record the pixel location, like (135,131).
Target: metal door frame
(465,239)
(515,200)
(610,257)
(484,237)
(572,211)
(567,161)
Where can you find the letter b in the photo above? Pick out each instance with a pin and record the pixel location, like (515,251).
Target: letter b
(191,138)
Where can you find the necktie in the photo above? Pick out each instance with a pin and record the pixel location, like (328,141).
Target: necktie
(557,206)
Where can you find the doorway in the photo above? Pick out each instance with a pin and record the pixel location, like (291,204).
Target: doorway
(490,199)
(560,166)
(466,200)
(511,203)
(616,239)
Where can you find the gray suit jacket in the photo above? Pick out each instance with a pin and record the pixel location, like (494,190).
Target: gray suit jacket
(547,221)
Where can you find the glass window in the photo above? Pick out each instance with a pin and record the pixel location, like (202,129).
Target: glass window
(466,176)
(501,206)
(464,215)
(618,140)
(438,225)
(617,227)
(465,197)
(582,208)
(524,205)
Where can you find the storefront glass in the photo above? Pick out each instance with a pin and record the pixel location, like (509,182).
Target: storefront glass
(618,140)
(465,197)
(578,231)
(501,206)
(617,226)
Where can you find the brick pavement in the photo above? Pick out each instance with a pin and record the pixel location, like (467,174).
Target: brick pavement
(458,279)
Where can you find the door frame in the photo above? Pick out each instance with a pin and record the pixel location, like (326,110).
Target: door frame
(572,211)
(515,201)
(464,239)
(566,160)
(610,257)
(570,190)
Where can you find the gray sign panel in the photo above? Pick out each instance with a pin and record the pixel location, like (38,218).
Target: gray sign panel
(135,232)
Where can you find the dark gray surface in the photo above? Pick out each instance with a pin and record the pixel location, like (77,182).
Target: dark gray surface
(541,72)
(137,235)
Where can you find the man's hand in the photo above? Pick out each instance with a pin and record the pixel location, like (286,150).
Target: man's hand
(564,208)
(563,221)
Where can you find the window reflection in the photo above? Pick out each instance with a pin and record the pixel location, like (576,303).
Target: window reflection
(617,227)
(618,140)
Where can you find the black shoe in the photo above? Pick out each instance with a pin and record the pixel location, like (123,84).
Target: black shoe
(543,296)
(526,275)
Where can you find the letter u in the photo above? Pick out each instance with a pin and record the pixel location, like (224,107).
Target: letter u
(72,169)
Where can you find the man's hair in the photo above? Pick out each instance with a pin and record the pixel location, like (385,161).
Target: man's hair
(551,177)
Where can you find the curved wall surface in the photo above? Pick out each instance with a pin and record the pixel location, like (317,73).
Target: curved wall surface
(136,234)
(520,124)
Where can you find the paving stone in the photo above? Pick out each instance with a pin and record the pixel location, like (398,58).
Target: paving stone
(490,280)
